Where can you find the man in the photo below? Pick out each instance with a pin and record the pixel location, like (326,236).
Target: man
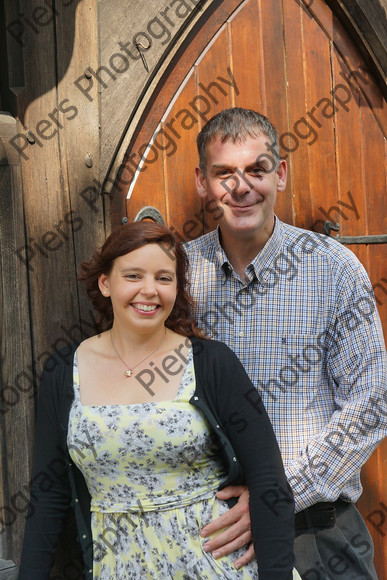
(299,311)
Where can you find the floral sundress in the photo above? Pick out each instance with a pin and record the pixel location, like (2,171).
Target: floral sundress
(152,471)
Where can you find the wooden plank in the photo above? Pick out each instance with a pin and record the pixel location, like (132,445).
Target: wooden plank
(378,275)
(214,62)
(276,97)
(182,201)
(149,189)
(12,55)
(79,165)
(322,162)
(17,367)
(245,47)
(350,209)
(46,205)
(373,146)
(298,162)
(373,149)
(79,140)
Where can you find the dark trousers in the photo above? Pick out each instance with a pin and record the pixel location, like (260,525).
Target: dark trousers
(343,552)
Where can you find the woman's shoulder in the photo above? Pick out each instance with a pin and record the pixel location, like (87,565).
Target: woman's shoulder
(93,349)
(212,348)
(56,379)
(58,367)
(94,344)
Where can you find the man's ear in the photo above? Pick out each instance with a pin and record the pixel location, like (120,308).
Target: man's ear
(282,173)
(103,284)
(201,182)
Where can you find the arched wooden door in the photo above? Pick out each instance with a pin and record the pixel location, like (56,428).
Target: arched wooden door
(294,62)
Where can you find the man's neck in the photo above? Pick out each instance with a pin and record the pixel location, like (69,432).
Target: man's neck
(241,251)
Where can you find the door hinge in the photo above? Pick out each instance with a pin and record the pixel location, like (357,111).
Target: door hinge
(372,239)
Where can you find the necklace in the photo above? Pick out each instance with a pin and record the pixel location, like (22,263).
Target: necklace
(129,371)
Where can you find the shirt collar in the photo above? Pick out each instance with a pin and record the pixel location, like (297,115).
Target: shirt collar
(263,259)
(270,250)
(220,254)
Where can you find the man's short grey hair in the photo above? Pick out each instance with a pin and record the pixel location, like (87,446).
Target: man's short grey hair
(236,125)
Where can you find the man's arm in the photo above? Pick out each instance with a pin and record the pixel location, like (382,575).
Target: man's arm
(356,367)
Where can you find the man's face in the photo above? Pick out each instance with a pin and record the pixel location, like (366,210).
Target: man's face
(241,178)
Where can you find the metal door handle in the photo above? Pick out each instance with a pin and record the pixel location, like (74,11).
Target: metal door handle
(147,212)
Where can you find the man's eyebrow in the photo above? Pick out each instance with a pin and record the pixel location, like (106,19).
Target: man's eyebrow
(259,163)
(223,165)
(262,164)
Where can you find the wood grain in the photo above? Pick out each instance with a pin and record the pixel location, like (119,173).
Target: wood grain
(17,378)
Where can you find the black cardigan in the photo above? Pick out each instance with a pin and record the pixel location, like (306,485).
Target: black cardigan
(232,406)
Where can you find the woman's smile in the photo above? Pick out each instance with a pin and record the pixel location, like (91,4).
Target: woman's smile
(145,308)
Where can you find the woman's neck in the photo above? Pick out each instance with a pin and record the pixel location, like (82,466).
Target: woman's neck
(132,342)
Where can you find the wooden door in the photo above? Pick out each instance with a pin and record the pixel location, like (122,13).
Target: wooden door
(294,62)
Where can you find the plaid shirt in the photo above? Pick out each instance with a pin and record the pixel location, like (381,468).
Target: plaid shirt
(306,328)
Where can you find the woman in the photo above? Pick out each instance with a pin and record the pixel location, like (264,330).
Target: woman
(144,422)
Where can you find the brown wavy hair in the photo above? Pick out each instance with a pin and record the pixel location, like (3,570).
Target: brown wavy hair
(124,240)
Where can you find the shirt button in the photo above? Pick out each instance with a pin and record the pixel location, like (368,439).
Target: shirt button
(218,426)
(234,458)
(90,571)
(241,333)
(196,398)
(84,537)
(76,500)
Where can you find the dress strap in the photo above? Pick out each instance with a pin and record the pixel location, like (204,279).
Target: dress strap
(77,394)
(187,384)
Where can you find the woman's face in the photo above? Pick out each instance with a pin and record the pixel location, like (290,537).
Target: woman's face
(142,286)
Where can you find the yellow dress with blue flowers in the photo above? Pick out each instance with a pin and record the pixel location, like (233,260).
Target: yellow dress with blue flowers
(152,471)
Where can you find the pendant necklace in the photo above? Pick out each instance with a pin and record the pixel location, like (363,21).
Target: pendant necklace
(129,371)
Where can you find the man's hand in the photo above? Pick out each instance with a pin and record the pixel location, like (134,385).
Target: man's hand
(237,522)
